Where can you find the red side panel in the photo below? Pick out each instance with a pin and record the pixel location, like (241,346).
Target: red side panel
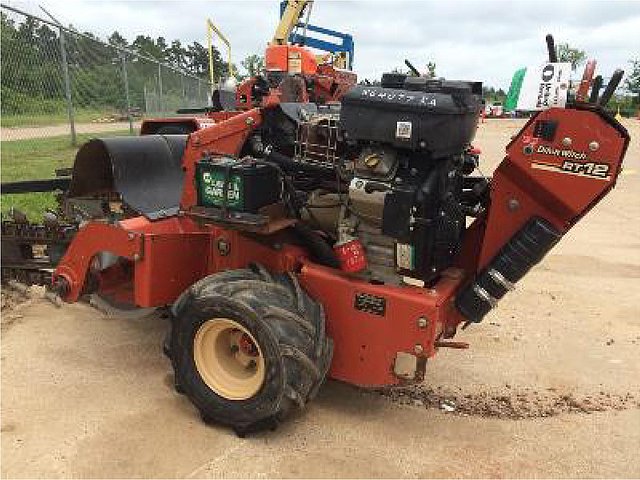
(178,252)
(171,263)
(559,179)
(369,323)
(91,239)
(293,59)
(231,249)
(330,84)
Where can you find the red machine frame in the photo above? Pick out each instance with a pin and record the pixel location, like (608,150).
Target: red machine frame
(328,84)
(558,180)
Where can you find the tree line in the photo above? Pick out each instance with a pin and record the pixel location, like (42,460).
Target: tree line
(33,82)
(32,72)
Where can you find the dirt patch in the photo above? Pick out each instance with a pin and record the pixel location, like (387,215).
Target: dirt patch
(10,312)
(509,403)
(14,301)
(10,299)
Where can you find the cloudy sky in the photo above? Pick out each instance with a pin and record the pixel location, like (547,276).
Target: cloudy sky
(475,40)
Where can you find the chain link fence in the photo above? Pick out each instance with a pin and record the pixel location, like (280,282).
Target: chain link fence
(53,77)
(60,87)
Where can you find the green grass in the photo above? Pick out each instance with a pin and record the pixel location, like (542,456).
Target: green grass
(46,119)
(38,159)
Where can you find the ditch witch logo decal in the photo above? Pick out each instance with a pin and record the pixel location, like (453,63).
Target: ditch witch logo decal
(574,163)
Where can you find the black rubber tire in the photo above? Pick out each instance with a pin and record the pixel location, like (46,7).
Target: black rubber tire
(289,328)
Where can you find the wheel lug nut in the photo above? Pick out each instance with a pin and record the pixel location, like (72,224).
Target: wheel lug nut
(251,365)
(235,348)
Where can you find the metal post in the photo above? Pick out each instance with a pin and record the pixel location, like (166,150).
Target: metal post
(67,88)
(160,88)
(199,93)
(126,92)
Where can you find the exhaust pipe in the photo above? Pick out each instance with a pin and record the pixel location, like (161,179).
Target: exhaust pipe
(525,249)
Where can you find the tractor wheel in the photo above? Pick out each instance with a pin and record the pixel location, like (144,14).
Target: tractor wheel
(247,347)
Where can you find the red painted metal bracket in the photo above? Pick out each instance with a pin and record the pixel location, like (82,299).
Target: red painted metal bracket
(92,239)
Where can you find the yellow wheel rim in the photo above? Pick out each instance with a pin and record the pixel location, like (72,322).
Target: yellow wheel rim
(228,359)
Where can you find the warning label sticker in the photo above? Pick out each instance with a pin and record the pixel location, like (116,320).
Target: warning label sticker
(403,130)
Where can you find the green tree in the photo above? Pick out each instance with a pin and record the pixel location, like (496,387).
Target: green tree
(633,78)
(253,64)
(177,55)
(491,95)
(30,68)
(32,80)
(431,70)
(198,59)
(632,83)
(162,47)
(572,55)
(117,40)
(147,46)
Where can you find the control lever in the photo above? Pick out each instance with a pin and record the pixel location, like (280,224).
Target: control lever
(611,87)
(413,69)
(595,89)
(585,83)
(551,48)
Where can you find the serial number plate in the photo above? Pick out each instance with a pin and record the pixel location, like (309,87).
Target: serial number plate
(366,302)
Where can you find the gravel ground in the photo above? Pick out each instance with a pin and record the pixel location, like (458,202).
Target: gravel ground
(549,387)
(24,133)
